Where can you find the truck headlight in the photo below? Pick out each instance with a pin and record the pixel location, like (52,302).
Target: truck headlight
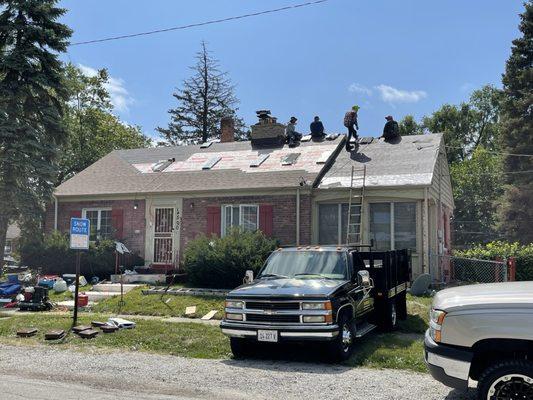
(234,304)
(323,305)
(436,319)
(234,316)
(314,318)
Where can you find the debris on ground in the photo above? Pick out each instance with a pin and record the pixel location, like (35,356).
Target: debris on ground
(54,335)
(209,315)
(88,333)
(81,328)
(27,332)
(190,311)
(121,323)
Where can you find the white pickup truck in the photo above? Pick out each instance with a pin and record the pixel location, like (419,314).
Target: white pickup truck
(485,333)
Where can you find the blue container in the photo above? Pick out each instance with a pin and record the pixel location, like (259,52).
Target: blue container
(13,278)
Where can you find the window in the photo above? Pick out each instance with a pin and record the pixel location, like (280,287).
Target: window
(393,225)
(8,248)
(101,227)
(333,222)
(244,216)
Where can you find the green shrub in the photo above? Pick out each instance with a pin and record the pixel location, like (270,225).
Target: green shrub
(523,255)
(52,255)
(221,262)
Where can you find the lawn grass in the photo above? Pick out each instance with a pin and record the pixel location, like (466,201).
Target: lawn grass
(153,304)
(417,314)
(184,339)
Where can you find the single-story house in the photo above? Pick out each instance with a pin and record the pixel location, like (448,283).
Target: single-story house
(156,200)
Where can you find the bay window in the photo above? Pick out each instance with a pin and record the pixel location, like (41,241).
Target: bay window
(245,216)
(393,225)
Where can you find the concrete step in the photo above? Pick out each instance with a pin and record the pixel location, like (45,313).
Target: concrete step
(113,287)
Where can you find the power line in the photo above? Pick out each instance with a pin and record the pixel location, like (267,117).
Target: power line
(495,152)
(215,21)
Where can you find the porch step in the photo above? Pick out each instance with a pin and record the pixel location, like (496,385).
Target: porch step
(363,329)
(113,287)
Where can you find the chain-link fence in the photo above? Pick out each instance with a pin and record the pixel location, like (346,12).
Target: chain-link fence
(450,269)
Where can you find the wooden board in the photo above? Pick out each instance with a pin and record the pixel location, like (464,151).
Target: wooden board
(54,335)
(190,311)
(109,328)
(88,333)
(26,332)
(80,328)
(209,315)
(97,324)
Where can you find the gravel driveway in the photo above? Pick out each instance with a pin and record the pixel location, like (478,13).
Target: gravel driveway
(123,374)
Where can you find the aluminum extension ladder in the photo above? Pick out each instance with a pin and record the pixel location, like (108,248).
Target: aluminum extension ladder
(354,229)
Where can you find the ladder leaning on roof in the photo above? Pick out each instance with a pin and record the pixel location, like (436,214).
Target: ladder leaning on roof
(354,229)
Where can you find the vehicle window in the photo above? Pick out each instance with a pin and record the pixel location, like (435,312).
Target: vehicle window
(307,264)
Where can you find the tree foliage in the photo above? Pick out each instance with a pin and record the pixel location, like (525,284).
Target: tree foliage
(204,98)
(409,126)
(31,98)
(92,128)
(516,214)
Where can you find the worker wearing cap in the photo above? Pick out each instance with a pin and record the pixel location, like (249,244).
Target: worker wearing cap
(350,120)
(391,130)
(290,132)
(317,129)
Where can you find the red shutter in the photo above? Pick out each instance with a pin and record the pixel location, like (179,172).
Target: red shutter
(75,214)
(117,222)
(213,221)
(266,219)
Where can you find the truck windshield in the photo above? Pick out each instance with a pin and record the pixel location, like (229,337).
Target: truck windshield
(306,264)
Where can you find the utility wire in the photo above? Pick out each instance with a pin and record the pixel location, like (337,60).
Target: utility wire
(495,152)
(211,22)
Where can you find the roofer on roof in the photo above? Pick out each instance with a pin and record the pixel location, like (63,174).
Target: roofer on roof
(350,120)
(290,132)
(391,130)
(317,129)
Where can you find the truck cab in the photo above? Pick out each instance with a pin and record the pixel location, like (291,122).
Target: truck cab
(318,293)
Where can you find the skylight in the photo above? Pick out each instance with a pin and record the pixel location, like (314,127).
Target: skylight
(259,160)
(161,165)
(290,159)
(211,162)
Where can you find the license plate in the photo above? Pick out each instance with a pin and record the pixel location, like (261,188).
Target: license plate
(267,336)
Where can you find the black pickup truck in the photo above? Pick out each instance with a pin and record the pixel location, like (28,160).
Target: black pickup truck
(317,293)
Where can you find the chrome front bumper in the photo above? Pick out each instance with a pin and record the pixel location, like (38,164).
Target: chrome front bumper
(286,332)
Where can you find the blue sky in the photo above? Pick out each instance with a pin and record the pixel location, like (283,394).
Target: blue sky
(390,57)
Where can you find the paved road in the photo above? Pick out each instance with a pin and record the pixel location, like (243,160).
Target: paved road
(46,373)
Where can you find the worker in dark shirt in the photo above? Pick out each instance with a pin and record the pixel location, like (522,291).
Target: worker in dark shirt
(317,129)
(391,130)
(350,122)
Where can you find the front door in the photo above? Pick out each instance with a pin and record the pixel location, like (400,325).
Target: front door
(164,226)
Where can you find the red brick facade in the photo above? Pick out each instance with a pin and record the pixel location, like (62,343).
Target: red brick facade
(133,225)
(194,217)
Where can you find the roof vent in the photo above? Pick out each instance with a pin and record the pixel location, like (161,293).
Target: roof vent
(161,165)
(260,160)
(366,140)
(290,159)
(211,162)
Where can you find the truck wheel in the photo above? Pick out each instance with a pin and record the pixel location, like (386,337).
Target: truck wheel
(507,380)
(389,320)
(341,348)
(240,348)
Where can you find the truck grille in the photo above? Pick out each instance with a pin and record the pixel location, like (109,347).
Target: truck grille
(265,305)
(272,318)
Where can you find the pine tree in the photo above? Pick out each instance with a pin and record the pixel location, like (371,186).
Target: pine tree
(30,106)
(203,100)
(516,215)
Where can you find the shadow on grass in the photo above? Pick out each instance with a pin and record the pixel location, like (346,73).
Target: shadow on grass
(413,324)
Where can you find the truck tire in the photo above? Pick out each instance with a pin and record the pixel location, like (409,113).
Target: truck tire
(507,380)
(341,348)
(241,348)
(389,318)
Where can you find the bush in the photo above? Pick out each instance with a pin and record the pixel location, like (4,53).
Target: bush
(221,262)
(523,255)
(52,255)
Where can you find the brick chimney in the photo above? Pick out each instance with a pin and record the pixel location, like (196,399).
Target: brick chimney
(227,129)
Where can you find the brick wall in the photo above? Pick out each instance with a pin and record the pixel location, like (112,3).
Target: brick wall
(134,224)
(194,216)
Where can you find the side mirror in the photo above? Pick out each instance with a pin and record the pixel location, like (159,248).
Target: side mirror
(363,278)
(248,276)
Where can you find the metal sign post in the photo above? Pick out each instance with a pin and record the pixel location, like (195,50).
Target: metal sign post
(79,240)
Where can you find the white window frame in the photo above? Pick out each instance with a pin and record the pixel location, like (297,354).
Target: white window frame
(223,215)
(341,240)
(99,218)
(392,221)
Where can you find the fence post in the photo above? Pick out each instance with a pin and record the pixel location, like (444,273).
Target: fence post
(511,264)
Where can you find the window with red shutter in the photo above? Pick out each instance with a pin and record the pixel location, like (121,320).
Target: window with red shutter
(266,219)
(213,221)
(117,223)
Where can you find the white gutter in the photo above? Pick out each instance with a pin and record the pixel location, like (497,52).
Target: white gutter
(298,217)
(55,212)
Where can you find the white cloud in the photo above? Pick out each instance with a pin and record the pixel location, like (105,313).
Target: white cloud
(390,94)
(118,94)
(358,88)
